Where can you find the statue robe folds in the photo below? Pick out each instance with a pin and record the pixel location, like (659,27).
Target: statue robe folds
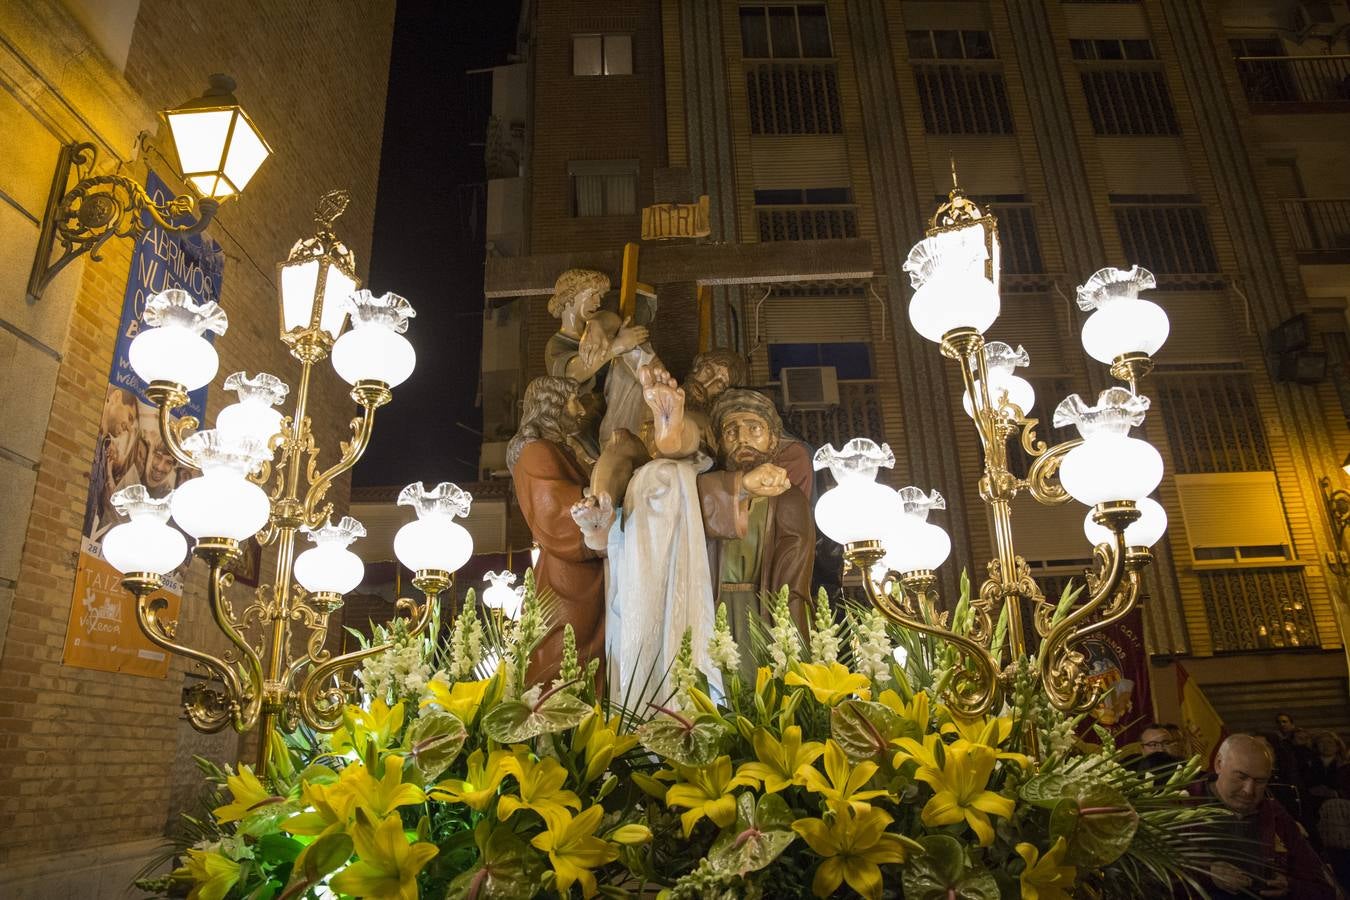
(548,480)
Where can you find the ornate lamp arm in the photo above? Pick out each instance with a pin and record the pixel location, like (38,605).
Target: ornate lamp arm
(1043,476)
(977,683)
(217,557)
(168,396)
(371,395)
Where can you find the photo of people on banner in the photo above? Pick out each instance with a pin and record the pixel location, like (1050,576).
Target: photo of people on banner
(102,632)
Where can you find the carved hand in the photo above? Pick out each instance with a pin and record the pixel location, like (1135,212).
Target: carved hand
(629,336)
(766,480)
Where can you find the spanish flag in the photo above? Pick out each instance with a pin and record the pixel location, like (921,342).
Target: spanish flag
(1201,725)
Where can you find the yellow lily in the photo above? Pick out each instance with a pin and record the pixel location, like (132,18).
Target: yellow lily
(845,780)
(916,710)
(707,791)
(574,850)
(248,794)
(781,763)
(540,790)
(381,722)
(959,785)
(603,743)
(328,805)
(763,675)
(830,682)
(478,789)
(852,849)
(380,796)
(1045,877)
(460,699)
(387,866)
(212,874)
(985,732)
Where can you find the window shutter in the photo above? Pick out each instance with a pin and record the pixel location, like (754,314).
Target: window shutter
(1237,510)
(817,319)
(1049,534)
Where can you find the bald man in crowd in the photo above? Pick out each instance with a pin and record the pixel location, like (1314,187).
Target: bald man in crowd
(1270,855)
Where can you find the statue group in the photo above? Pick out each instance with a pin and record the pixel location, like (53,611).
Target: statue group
(653,501)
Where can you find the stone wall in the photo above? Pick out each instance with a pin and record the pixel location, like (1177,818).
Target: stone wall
(92,760)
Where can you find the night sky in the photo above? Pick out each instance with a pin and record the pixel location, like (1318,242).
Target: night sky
(428,243)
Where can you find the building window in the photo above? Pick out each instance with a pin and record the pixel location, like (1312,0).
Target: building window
(809,214)
(801,31)
(603,187)
(1212,419)
(1167,234)
(793,98)
(959,98)
(851,360)
(1124,96)
(1258,609)
(602,54)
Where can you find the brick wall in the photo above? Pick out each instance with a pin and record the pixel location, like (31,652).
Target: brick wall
(93,754)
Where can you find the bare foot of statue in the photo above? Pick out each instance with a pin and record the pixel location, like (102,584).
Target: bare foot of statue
(666,399)
(594,515)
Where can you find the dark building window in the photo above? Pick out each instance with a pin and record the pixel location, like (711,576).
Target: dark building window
(1126,94)
(967,97)
(793,98)
(851,360)
(950,44)
(809,214)
(799,31)
(1112,48)
(1166,234)
(1213,422)
(602,54)
(603,187)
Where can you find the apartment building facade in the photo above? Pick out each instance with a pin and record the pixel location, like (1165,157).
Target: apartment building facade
(1198,139)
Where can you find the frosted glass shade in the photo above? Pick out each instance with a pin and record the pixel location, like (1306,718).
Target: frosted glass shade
(433,542)
(374,352)
(174,353)
(959,299)
(856,510)
(220,504)
(915,546)
(299,283)
(250,419)
(329,567)
(500,595)
(1125,326)
(1145,531)
(219,148)
(1108,467)
(1020,392)
(144,546)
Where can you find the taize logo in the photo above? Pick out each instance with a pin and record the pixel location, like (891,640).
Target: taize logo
(101,618)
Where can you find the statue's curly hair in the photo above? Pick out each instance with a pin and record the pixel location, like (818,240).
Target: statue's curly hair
(571,283)
(738,370)
(542,414)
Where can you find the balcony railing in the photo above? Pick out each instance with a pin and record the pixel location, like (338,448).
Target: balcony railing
(1276,82)
(806,223)
(1128,98)
(1319,226)
(963,98)
(857,415)
(793,98)
(1258,609)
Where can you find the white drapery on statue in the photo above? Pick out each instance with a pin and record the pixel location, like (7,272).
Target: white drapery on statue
(658,582)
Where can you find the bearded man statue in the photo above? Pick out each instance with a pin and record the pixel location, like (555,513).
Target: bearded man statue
(548,481)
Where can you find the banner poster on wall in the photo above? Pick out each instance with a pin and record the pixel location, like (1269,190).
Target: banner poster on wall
(103,633)
(1118,670)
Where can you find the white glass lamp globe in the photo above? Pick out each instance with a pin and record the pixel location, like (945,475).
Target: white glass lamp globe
(222,503)
(1145,531)
(500,595)
(434,540)
(146,543)
(1000,363)
(912,543)
(1121,323)
(1111,467)
(857,508)
(254,416)
(1020,393)
(949,302)
(173,348)
(374,349)
(329,566)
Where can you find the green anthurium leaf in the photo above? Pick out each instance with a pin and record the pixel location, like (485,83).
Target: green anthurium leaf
(326,854)
(512,722)
(1098,824)
(507,869)
(278,848)
(759,836)
(434,742)
(1046,791)
(263,819)
(689,742)
(941,873)
(865,730)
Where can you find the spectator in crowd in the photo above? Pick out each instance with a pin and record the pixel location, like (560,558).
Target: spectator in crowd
(1325,776)
(1292,755)
(1266,852)
(1162,751)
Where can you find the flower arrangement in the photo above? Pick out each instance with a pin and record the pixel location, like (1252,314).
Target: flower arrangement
(835,772)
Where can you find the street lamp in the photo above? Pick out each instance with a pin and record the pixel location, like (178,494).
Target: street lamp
(886,534)
(263,677)
(218,148)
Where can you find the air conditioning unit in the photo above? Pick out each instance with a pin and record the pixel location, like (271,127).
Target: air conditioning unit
(1311,18)
(809,387)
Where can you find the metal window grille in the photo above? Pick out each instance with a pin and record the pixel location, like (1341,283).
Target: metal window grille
(793,98)
(1318,226)
(806,223)
(1212,421)
(858,414)
(1295,79)
(1128,100)
(1258,609)
(1337,346)
(965,98)
(1019,242)
(1166,238)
